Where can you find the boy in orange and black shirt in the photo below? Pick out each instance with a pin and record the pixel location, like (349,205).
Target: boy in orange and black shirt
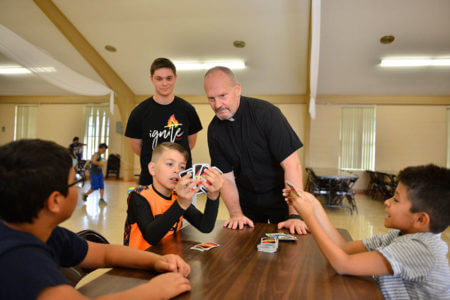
(156,211)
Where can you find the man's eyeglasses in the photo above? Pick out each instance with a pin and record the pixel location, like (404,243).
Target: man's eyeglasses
(79,181)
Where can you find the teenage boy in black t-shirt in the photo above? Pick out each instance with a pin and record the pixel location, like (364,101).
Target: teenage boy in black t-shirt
(163,117)
(253,144)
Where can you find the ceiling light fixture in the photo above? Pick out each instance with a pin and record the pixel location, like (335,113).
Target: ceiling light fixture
(206,65)
(414,62)
(13,70)
(387,39)
(110,48)
(239,44)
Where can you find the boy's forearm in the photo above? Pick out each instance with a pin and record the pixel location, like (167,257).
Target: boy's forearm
(327,226)
(325,223)
(123,256)
(333,252)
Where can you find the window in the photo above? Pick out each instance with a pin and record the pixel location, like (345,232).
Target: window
(25,122)
(96,129)
(357,137)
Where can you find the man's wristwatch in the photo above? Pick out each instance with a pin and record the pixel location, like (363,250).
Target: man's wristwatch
(294,216)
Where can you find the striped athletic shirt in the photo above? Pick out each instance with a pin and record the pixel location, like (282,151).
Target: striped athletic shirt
(419,262)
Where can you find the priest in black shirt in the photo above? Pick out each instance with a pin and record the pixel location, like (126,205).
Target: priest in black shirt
(253,144)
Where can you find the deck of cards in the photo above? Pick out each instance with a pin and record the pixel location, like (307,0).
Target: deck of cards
(282,236)
(205,246)
(268,244)
(198,177)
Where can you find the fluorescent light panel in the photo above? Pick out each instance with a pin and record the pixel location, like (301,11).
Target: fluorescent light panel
(196,65)
(414,62)
(12,70)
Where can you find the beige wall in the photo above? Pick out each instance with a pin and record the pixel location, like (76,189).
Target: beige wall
(405,135)
(60,123)
(410,135)
(324,138)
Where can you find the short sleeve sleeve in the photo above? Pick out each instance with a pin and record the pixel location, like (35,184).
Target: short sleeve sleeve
(134,124)
(283,140)
(195,125)
(70,249)
(410,259)
(379,240)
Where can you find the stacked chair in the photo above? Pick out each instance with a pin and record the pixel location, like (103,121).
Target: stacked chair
(381,185)
(344,189)
(315,185)
(113,166)
(332,191)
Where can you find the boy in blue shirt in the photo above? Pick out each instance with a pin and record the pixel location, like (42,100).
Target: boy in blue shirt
(38,192)
(409,262)
(96,174)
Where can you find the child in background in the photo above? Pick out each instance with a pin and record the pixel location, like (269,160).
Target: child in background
(409,262)
(96,174)
(37,192)
(156,211)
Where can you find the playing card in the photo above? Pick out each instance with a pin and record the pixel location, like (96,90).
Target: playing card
(282,236)
(205,246)
(292,187)
(217,169)
(268,244)
(182,173)
(199,176)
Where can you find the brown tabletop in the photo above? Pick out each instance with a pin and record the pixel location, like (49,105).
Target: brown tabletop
(236,270)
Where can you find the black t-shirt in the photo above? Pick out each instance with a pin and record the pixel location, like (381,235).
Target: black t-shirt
(155,123)
(28,265)
(253,145)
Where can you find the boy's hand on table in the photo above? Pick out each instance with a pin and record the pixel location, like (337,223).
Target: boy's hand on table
(168,285)
(213,184)
(172,263)
(185,191)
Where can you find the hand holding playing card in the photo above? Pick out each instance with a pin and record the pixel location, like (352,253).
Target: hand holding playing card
(303,202)
(186,189)
(213,183)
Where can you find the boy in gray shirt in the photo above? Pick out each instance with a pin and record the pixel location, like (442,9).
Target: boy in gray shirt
(409,262)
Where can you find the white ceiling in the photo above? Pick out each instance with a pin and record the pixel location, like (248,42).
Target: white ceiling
(276,33)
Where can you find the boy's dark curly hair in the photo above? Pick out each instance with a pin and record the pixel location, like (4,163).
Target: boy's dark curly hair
(30,170)
(428,189)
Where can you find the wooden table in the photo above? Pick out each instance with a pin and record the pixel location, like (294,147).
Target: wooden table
(236,270)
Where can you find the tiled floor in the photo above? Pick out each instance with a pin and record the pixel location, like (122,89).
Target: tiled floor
(109,219)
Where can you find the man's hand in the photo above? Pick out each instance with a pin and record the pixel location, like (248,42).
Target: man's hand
(185,191)
(168,285)
(214,183)
(172,263)
(238,222)
(295,226)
